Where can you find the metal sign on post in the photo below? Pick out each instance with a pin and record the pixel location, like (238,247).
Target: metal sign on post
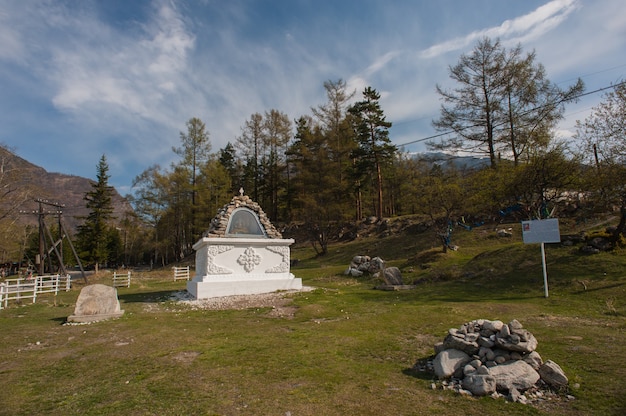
(542,231)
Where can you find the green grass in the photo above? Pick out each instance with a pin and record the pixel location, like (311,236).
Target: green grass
(347,350)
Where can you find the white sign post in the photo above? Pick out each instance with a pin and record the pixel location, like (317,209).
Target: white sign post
(542,231)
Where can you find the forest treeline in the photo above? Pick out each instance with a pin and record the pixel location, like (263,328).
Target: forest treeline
(338,165)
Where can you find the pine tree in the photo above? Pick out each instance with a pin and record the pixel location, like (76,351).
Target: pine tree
(315,186)
(93,234)
(227,157)
(375,148)
(251,146)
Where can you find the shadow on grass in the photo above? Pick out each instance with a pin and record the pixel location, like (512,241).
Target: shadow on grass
(61,320)
(159,296)
(452,292)
(419,370)
(595,289)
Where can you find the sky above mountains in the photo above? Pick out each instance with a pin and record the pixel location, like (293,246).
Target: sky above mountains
(79,79)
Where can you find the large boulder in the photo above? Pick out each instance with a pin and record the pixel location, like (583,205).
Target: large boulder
(392,276)
(534,360)
(514,375)
(356,260)
(353,272)
(96,303)
(552,374)
(376,264)
(480,385)
(455,341)
(450,362)
(366,265)
(492,326)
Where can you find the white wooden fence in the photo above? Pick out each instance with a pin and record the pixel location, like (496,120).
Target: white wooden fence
(181,273)
(121,279)
(28,288)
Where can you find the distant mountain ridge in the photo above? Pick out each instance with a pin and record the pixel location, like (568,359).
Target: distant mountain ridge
(56,188)
(458,162)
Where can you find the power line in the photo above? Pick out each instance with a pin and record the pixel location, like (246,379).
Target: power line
(592,73)
(413,120)
(584,94)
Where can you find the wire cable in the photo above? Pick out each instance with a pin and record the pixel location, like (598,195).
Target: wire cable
(584,94)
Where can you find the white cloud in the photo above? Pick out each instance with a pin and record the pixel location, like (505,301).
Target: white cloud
(523,28)
(126,89)
(121,73)
(11,47)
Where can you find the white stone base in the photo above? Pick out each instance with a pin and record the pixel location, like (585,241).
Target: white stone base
(214,289)
(241,266)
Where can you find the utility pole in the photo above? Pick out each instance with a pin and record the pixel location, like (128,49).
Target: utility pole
(43,228)
(57,245)
(42,238)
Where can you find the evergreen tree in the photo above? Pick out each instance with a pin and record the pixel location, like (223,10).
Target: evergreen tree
(94,233)
(375,148)
(315,187)
(251,146)
(228,159)
(277,128)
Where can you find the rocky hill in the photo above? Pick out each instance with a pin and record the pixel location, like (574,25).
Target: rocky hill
(34,183)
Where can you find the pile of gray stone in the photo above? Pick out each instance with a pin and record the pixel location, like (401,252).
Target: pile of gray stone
(365,265)
(484,357)
(219,223)
(375,267)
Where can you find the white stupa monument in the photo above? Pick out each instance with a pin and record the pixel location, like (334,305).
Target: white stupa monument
(242,253)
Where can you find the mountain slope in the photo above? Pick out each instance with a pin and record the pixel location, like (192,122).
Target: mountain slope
(34,183)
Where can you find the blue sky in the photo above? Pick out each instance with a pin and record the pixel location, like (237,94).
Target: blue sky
(82,78)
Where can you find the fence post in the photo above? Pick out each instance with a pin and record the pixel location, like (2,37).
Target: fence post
(38,286)
(181,273)
(120,280)
(38,278)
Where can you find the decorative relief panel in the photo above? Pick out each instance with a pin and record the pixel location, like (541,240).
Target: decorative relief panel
(283,267)
(249,259)
(212,252)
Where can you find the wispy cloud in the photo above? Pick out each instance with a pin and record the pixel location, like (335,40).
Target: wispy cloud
(360,81)
(523,28)
(118,78)
(11,44)
(124,73)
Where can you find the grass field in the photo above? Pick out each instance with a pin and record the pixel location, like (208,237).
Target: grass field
(346,349)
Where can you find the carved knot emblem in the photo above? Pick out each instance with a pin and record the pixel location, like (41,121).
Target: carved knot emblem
(249,259)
